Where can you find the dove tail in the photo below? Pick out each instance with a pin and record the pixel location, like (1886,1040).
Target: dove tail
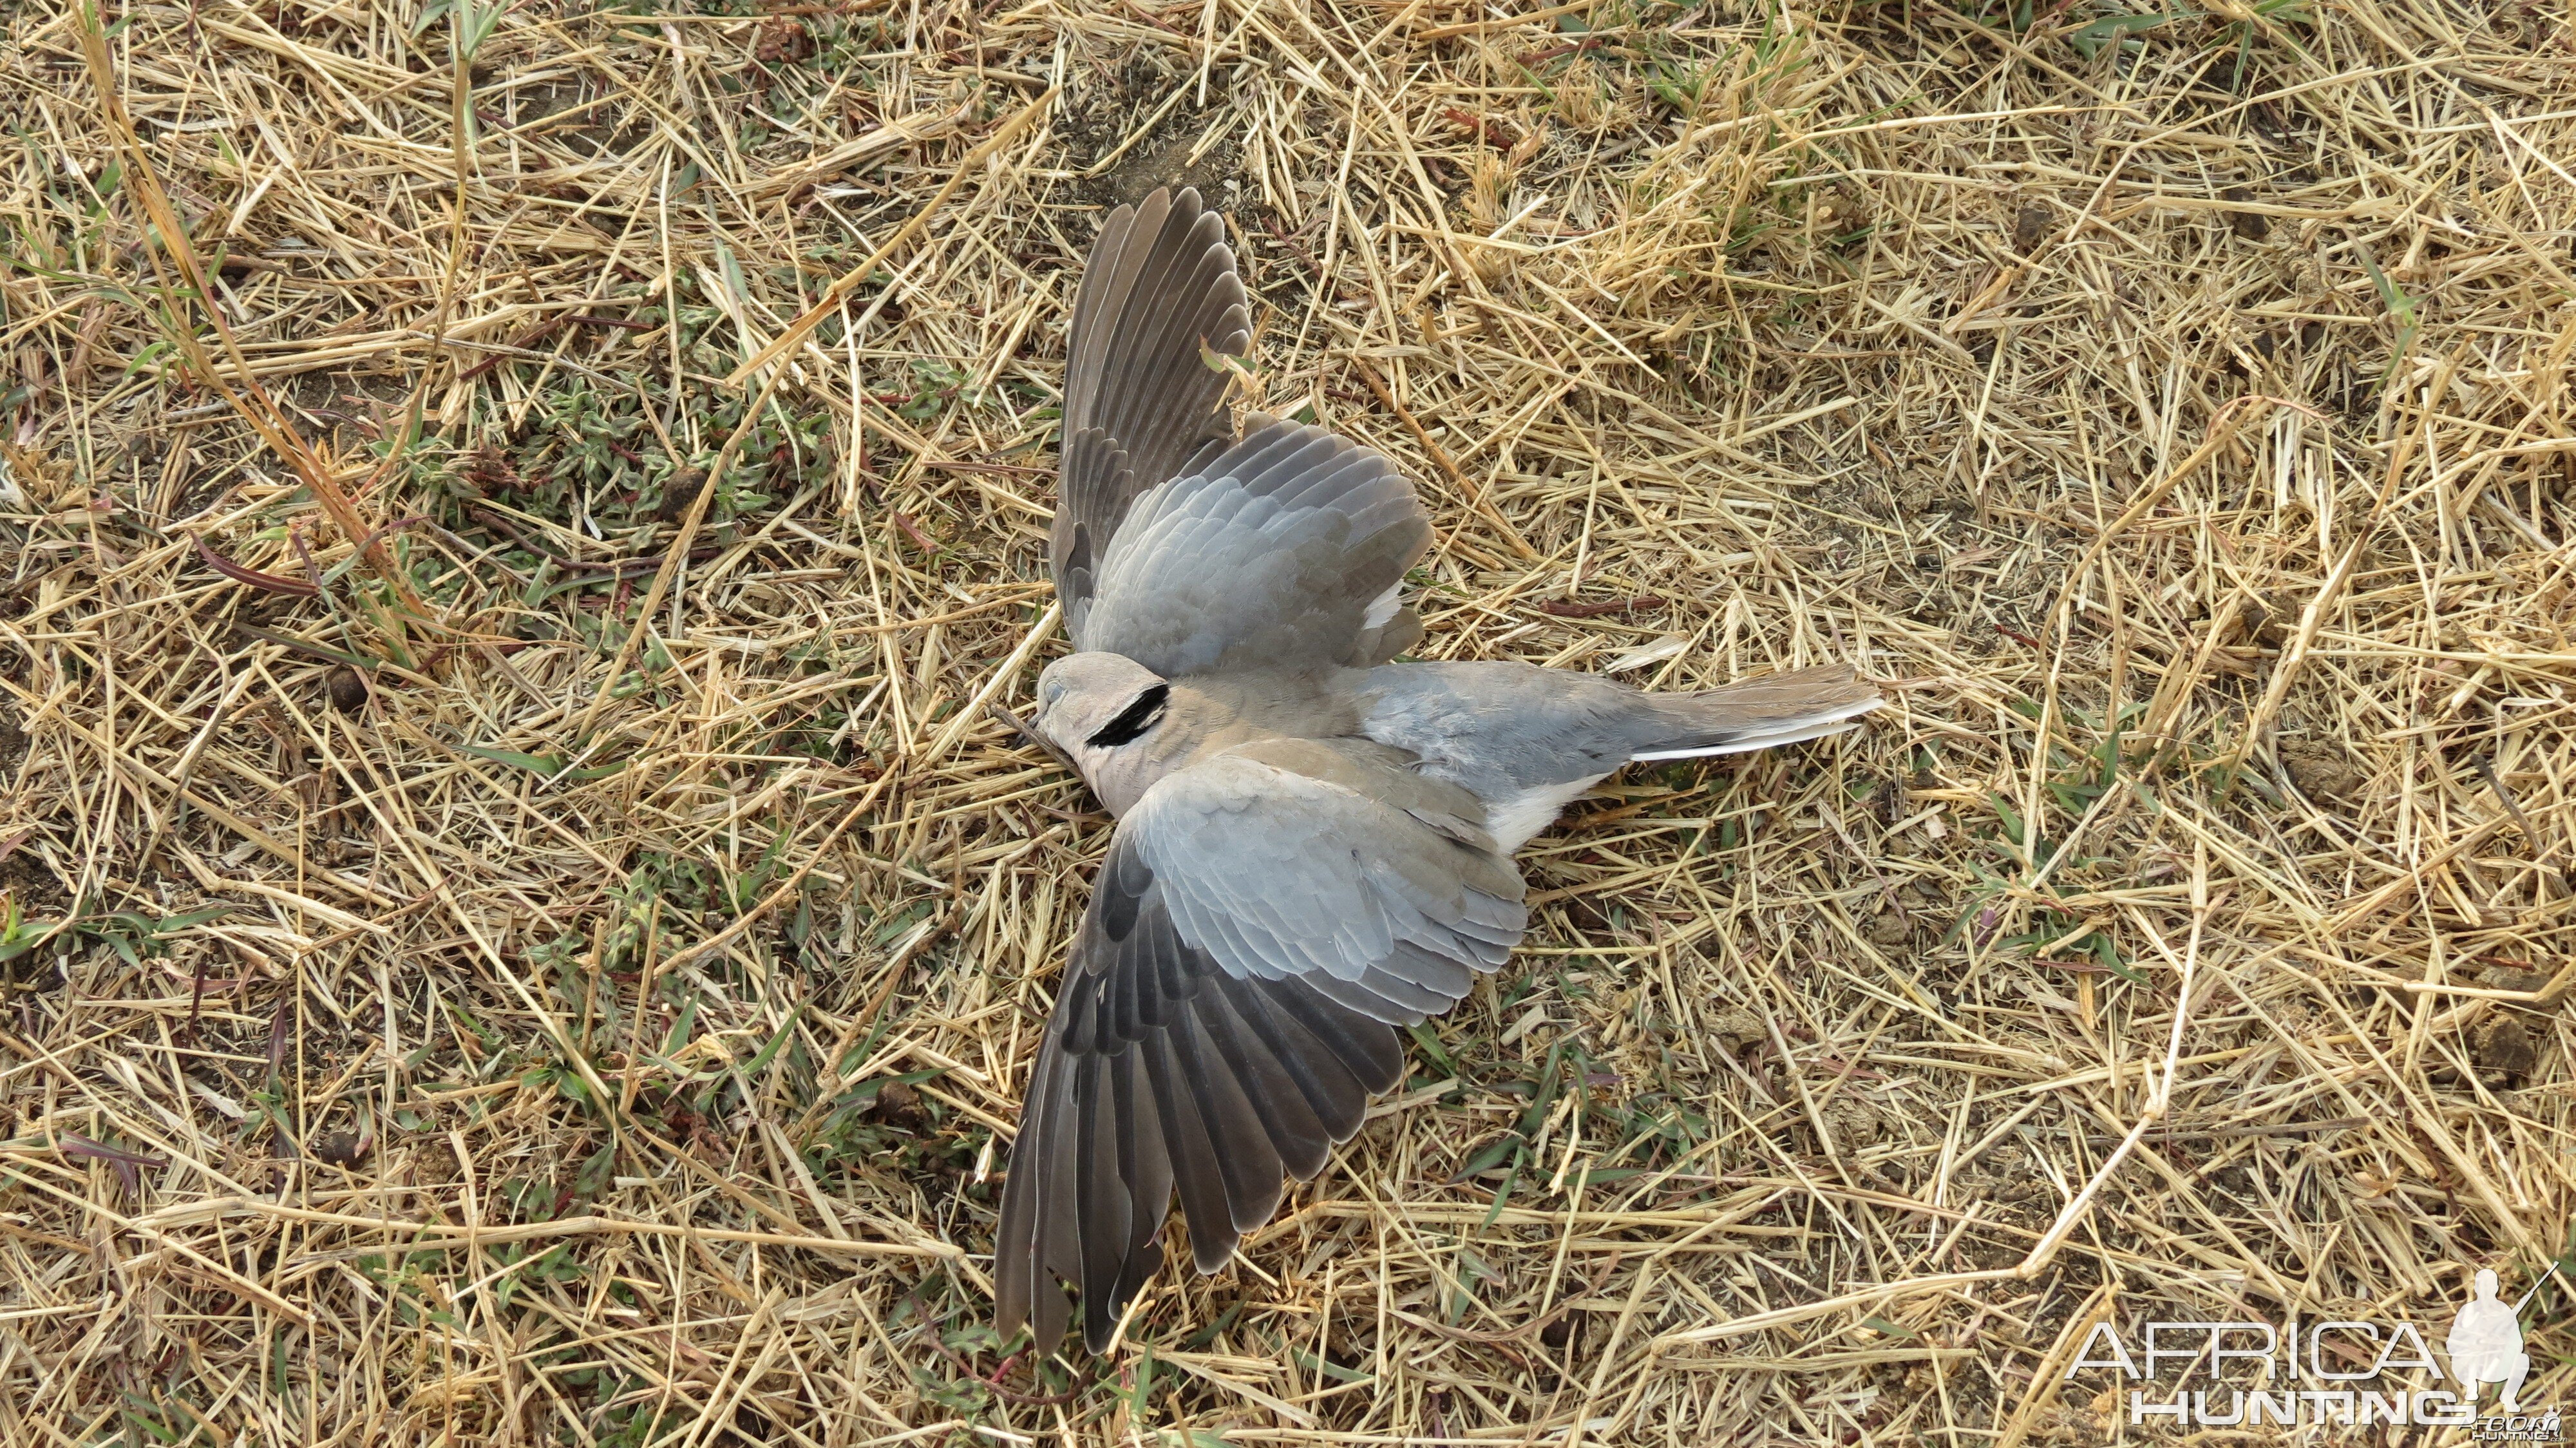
(1760,713)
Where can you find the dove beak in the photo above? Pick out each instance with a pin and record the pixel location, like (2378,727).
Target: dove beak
(1033,736)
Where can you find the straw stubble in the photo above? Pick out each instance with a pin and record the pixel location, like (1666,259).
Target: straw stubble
(445,1003)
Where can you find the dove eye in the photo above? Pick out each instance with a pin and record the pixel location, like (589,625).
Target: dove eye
(1135,719)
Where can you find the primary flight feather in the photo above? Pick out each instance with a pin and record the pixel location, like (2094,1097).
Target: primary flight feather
(1314,843)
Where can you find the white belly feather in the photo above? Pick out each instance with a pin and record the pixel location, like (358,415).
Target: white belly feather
(1512,821)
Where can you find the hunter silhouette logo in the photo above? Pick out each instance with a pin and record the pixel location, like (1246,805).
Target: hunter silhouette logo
(2486,1342)
(2340,1372)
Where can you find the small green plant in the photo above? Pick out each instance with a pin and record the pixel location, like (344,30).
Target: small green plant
(594,433)
(948,1378)
(2091,38)
(937,383)
(2401,309)
(2030,855)
(2054,931)
(881,1122)
(134,937)
(18,934)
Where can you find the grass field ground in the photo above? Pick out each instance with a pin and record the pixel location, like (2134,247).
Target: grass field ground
(520,927)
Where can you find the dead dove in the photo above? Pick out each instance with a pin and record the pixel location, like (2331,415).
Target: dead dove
(1314,843)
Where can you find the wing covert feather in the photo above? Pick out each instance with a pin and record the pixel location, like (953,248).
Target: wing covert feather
(1222,1022)
(1286,549)
(1158,295)
(1171,546)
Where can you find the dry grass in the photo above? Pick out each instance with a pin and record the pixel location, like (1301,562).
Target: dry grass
(2181,430)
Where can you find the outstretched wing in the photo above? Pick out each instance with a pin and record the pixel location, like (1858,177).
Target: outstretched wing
(1264,921)
(1285,550)
(1140,400)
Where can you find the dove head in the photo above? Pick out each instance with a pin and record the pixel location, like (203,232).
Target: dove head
(1107,712)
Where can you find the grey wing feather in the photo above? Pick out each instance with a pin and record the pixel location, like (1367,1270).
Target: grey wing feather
(1261,922)
(1297,858)
(1140,400)
(1501,728)
(1285,550)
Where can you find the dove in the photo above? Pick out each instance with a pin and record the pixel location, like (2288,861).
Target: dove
(1314,839)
